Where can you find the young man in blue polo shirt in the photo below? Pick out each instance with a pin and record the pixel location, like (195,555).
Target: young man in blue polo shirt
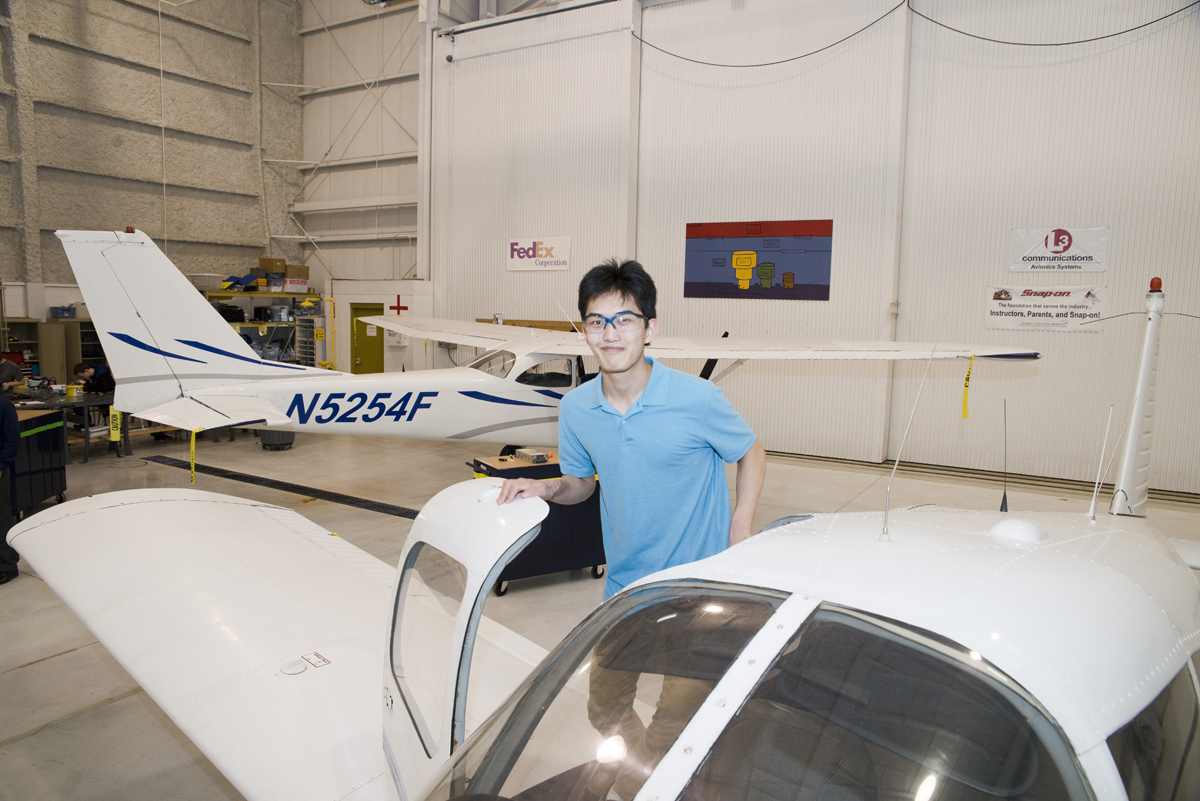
(658,439)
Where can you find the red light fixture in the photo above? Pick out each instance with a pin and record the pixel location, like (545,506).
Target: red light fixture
(1156,285)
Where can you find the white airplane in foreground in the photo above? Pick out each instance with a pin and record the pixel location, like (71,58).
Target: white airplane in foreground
(964,655)
(178,363)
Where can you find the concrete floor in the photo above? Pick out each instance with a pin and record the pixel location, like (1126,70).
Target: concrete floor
(74,725)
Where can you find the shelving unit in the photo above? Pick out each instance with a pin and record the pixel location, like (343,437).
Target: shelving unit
(274,340)
(82,344)
(44,341)
(311,350)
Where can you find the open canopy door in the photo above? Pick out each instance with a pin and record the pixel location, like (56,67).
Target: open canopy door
(455,551)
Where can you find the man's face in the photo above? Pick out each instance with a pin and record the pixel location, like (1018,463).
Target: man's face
(86,374)
(619,351)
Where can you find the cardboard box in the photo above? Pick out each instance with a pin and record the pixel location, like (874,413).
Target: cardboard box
(296,272)
(271,265)
(299,285)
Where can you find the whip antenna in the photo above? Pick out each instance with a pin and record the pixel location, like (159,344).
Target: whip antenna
(1004,497)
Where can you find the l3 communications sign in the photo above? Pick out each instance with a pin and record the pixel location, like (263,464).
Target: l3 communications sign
(1058,249)
(1054,308)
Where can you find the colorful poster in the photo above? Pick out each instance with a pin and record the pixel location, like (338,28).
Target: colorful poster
(1060,249)
(783,260)
(1054,308)
(539,253)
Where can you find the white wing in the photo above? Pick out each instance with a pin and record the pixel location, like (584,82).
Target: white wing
(204,599)
(486,335)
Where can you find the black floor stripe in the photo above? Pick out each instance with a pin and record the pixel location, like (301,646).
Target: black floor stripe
(270,483)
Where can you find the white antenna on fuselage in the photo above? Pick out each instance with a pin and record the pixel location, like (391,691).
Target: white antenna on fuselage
(884,536)
(1132,486)
(568,318)
(1100,467)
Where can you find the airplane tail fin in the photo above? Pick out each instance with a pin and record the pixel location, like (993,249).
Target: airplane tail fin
(161,338)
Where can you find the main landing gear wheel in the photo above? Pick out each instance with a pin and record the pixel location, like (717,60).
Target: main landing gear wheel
(597,571)
(60,497)
(501,588)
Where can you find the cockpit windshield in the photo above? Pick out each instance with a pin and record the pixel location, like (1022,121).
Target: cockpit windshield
(494,362)
(855,709)
(606,706)
(1158,753)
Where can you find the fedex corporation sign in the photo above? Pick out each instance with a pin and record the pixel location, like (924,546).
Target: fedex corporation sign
(539,253)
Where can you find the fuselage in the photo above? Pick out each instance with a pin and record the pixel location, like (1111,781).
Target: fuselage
(459,403)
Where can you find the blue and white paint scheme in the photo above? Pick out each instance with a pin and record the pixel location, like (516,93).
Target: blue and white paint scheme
(178,363)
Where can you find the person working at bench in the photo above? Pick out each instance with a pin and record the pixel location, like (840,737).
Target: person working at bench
(95,379)
(10,376)
(658,439)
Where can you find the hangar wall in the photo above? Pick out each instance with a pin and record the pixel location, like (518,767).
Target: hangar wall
(1100,134)
(98,136)
(925,146)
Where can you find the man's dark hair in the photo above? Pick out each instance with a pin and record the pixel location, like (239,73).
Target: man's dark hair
(627,278)
(79,368)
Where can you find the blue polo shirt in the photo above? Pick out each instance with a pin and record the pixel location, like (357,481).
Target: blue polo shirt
(664,500)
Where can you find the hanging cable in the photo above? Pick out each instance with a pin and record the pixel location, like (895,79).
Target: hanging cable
(926,17)
(1053,44)
(773,63)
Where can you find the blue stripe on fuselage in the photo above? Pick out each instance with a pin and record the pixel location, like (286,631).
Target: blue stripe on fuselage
(493,399)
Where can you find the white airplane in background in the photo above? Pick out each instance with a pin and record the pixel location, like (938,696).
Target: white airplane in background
(964,655)
(178,363)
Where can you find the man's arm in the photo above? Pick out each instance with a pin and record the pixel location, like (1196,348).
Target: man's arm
(566,490)
(751,472)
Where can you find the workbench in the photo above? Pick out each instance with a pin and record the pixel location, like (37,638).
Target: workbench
(39,471)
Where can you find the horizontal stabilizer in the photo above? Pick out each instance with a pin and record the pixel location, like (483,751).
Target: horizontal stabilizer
(487,335)
(257,632)
(1189,550)
(216,411)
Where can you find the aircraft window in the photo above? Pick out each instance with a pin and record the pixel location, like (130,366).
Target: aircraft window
(494,362)
(554,373)
(1157,753)
(610,701)
(428,604)
(853,711)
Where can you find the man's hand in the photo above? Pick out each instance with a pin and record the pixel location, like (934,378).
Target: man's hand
(525,488)
(565,490)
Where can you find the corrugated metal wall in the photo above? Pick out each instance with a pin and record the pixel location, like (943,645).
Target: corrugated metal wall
(1001,137)
(807,139)
(532,138)
(924,145)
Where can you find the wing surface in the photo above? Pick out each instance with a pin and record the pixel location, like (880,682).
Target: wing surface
(486,335)
(216,411)
(205,599)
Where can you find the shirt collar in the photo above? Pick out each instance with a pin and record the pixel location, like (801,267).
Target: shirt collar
(655,393)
